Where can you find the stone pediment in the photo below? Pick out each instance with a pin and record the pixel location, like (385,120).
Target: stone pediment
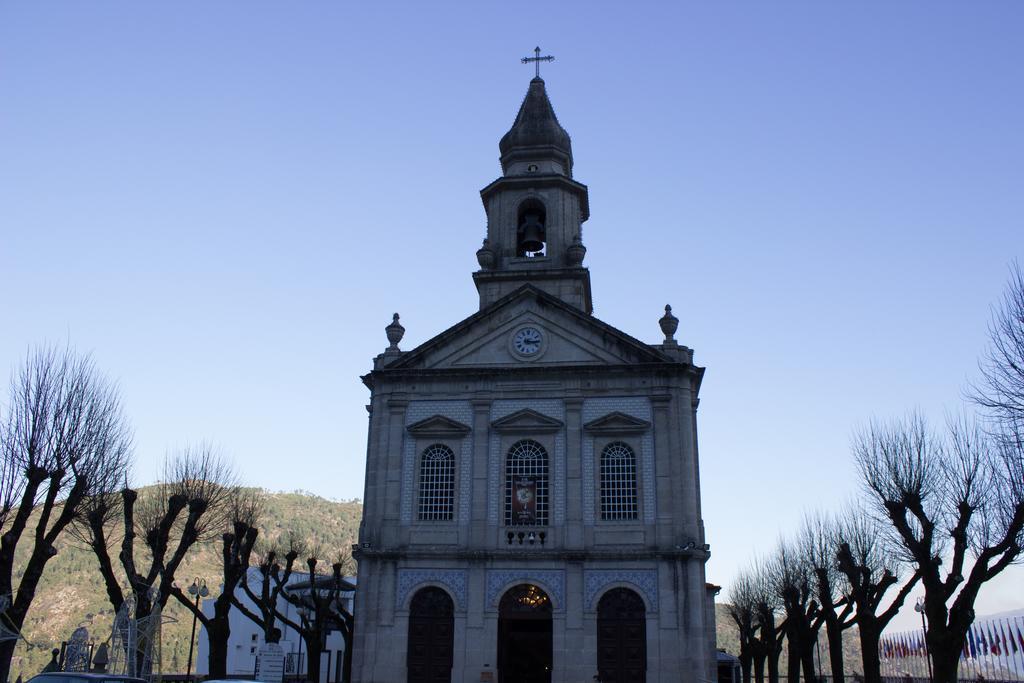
(526,421)
(617,423)
(570,338)
(438,426)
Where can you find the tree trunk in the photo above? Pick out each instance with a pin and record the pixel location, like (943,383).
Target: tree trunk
(143,664)
(32,572)
(218,632)
(869,635)
(12,617)
(759,668)
(745,661)
(346,671)
(834,633)
(807,660)
(313,652)
(945,665)
(792,658)
(6,653)
(773,661)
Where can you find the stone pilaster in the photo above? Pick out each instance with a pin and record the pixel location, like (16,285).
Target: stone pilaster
(574,473)
(480,534)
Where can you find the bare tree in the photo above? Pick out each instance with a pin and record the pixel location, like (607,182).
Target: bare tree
(62,435)
(190,504)
(1001,391)
(319,603)
(959,498)
(792,580)
(742,605)
(245,507)
(317,597)
(819,543)
(871,570)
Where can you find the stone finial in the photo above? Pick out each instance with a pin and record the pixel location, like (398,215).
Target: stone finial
(576,251)
(669,324)
(395,332)
(485,255)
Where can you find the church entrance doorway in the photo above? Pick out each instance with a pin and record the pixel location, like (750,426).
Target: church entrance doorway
(524,636)
(431,635)
(621,637)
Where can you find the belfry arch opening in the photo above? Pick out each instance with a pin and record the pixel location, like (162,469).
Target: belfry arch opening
(524,636)
(531,230)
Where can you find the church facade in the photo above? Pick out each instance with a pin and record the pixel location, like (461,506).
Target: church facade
(532,499)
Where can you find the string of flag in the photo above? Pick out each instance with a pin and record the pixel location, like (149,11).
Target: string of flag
(993,648)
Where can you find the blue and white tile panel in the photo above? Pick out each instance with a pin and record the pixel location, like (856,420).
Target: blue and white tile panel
(595,581)
(551,580)
(410,580)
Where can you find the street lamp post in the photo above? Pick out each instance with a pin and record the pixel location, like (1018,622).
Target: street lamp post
(200,591)
(919,608)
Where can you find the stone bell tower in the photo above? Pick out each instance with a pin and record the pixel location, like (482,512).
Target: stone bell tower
(535,212)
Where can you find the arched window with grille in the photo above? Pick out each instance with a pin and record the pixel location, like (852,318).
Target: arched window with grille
(618,482)
(526,484)
(437,483)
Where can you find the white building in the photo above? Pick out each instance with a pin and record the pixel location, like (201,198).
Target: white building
(247,637)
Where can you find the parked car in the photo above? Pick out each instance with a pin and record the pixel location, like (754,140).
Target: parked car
(82,677)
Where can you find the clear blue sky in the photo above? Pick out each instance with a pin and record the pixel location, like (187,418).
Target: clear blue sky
(225,202)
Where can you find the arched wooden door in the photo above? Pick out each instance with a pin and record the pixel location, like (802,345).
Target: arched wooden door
(431,637)
(524,636)
(621,637)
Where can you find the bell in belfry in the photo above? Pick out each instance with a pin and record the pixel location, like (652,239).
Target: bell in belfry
(531,233)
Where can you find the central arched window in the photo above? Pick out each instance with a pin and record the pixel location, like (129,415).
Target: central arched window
(526,484)
(618,482)
(437,483)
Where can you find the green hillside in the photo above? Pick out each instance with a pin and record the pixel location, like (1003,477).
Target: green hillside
(72,594)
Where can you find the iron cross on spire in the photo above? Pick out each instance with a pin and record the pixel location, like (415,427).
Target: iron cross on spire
(537,59)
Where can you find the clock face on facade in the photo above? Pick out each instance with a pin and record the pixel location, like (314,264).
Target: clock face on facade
(527,341)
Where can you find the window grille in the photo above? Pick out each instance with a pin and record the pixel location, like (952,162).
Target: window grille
(527,459)
(437,483)
(618,482)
